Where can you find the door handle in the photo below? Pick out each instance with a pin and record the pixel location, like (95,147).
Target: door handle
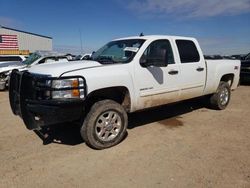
(199,69)
(173,72)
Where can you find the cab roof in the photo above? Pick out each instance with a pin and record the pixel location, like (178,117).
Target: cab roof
(152,37)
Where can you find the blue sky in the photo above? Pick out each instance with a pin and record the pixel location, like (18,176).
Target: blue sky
(221,26)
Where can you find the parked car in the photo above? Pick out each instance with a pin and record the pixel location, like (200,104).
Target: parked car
(36,58)
(124,76)
(70,57)
(245,68)
(238,56)
(12,58)
(213,57)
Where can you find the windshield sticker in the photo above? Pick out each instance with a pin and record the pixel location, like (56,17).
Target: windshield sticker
(132,49)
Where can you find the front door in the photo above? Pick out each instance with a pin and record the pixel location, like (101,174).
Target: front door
(157,85)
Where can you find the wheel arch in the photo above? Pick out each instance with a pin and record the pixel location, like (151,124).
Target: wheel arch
(229,78)
(119,94)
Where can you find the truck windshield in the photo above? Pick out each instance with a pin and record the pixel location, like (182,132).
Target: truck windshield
(31,59)
(121,51)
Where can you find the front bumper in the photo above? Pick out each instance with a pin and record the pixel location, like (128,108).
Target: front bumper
(36,112)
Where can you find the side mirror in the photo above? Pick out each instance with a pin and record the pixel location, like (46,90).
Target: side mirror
(145,62)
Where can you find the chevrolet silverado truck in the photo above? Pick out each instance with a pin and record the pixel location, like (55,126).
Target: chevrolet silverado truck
(124,76)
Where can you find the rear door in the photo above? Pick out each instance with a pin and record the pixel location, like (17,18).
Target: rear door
(192,69)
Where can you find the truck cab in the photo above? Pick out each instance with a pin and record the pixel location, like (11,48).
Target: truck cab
(175,70)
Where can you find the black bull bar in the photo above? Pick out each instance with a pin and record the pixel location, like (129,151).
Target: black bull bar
(26,96)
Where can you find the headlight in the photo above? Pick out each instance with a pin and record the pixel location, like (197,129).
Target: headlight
(67,88)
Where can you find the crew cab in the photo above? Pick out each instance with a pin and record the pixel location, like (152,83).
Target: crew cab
(124,76)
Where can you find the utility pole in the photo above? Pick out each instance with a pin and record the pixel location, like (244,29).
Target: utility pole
(80,32)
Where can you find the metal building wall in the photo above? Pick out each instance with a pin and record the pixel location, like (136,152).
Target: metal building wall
(28,41)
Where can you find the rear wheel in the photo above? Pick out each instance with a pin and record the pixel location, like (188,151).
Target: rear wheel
(221,98)
(105,125)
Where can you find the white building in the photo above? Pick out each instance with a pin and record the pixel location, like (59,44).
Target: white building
(16,40)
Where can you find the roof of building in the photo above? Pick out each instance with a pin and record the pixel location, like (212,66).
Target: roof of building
(25,32)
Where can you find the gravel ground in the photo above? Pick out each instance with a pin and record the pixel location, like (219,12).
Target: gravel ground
(181,145)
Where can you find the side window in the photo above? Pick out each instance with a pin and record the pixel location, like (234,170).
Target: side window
(4,58)
(16,58)
(41,61)
(188,51)
(86,57)
(10,58)
(159,51)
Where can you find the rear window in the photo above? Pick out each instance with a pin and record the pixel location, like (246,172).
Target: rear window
(10,58)
(188,51)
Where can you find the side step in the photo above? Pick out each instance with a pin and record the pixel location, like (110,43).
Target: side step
(46,137)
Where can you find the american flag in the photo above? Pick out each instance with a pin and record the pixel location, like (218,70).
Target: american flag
(8,42)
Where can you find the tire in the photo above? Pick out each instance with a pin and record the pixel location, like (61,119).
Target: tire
(105,125)
(221,98)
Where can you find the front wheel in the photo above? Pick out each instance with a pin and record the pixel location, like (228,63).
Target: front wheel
(105,125)
(221,98)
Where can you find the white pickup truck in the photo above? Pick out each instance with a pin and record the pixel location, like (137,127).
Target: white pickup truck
(124,76)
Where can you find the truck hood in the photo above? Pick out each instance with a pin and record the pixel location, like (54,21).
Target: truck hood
(11,66)
(57,69)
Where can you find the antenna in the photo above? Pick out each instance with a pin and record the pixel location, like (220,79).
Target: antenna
(141,35)
(80,33)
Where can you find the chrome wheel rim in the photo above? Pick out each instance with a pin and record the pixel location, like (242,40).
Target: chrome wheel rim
(108,125)
(224,96)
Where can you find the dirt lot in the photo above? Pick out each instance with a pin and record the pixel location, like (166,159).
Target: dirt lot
(182,145)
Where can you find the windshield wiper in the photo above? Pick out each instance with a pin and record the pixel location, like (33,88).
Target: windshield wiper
(105,60)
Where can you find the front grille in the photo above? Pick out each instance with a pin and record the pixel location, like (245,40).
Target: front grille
(20,90)
(25,86)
